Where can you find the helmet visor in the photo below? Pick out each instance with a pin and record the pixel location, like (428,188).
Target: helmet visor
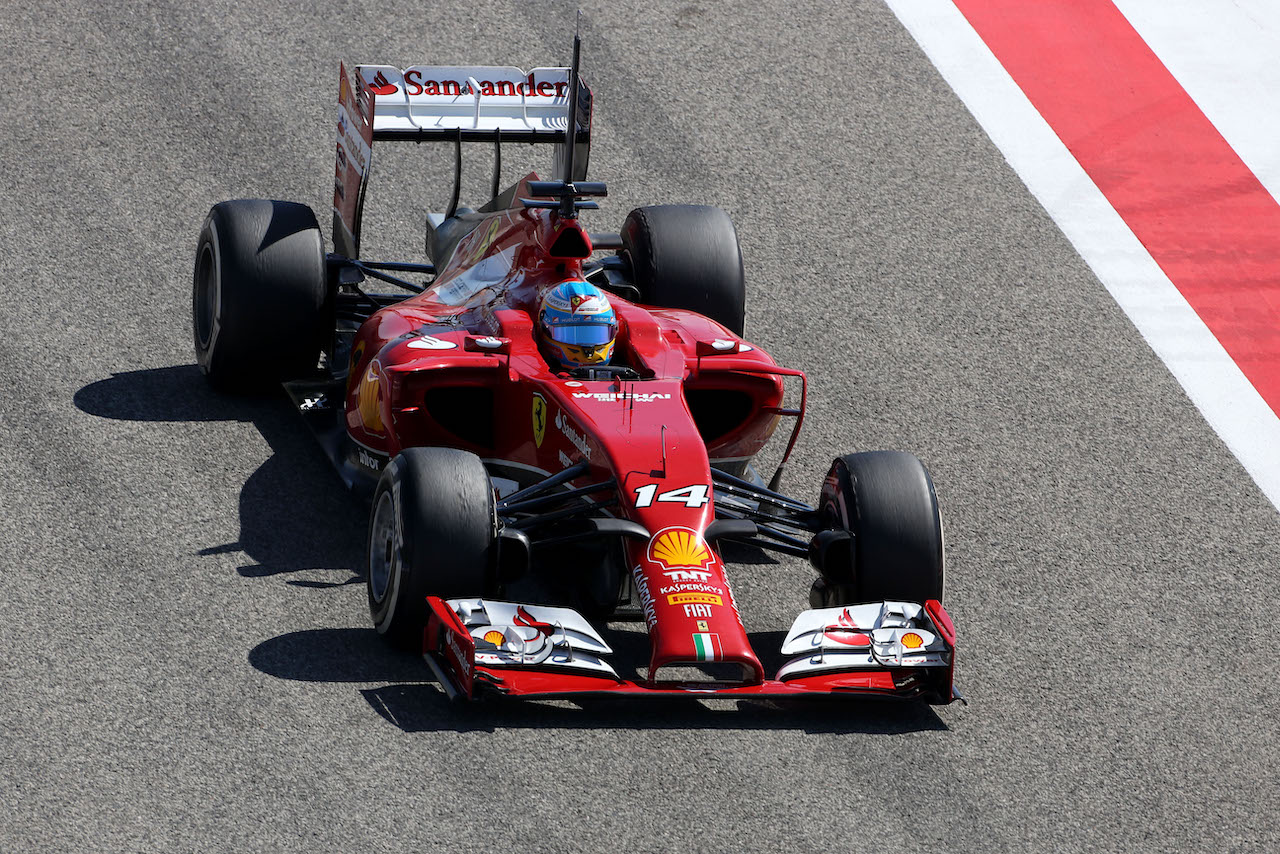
(583,334)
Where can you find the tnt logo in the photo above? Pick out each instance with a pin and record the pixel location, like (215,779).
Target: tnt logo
(686,575)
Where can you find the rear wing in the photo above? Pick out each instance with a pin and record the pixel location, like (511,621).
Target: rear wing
(439,102)
(457,103)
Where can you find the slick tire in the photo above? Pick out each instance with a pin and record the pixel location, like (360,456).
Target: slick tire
(687,256)
(259,302)
(887,501)
(432,532)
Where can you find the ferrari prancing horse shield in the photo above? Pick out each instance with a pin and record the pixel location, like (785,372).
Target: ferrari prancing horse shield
(539,419)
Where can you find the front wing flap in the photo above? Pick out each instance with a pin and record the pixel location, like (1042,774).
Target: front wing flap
(884,649)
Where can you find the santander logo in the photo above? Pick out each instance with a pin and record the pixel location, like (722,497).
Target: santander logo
(382,86)
(846,631)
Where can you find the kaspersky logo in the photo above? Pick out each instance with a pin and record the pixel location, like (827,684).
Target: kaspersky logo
(679,548)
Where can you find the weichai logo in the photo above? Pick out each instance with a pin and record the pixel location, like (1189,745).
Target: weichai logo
(679,547)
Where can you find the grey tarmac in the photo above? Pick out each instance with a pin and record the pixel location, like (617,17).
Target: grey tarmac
(185,657)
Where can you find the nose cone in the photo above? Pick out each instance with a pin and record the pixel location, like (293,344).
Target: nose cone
(689,606)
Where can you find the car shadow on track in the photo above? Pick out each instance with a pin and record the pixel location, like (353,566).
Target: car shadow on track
(294,513)
(295,516)
(415,703)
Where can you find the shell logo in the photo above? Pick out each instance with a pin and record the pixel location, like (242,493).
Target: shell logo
(370,397)
(494,637)
(911,640)
(356,355)
(679,547)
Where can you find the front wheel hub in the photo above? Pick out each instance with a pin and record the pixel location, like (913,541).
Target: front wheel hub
(383,553)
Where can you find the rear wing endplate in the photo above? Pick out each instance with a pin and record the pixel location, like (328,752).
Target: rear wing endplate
(351,167)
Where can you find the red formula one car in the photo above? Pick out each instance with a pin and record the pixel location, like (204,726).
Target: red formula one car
(521,497)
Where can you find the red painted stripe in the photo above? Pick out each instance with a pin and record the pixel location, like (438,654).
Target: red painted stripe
(1203,216)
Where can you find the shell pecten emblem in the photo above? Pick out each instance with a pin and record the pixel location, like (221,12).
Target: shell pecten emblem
(678,548)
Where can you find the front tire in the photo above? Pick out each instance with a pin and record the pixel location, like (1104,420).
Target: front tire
(432,532)
(886,499)
(259,295)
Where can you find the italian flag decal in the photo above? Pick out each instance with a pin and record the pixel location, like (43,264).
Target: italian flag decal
(708,646)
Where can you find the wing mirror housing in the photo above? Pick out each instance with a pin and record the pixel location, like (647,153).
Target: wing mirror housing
(487,344)
(718,347)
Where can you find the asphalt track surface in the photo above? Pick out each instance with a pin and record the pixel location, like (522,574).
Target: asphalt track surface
(185,658)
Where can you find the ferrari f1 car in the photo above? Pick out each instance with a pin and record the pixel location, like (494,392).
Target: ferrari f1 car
(518,504)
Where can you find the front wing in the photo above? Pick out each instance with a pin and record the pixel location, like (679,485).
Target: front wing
(899,650)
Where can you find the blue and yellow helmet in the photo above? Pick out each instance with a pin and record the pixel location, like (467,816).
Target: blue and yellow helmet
(578,324)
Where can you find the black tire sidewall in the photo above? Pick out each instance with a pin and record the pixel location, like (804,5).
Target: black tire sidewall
(888,501)
(382,610)
(445,536)
(206,347)
(271,310)
(687,257)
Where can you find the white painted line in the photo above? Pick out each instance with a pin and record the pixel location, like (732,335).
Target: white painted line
(1227,58)
(1230,404)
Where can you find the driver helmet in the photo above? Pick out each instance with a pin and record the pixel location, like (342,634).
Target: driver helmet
(578,324)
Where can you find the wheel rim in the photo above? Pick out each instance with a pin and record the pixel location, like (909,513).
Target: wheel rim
(383,554)
(205,296)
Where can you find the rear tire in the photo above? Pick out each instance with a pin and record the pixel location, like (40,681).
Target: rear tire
(432,532)
(259,296)
(687,256)
(887,501)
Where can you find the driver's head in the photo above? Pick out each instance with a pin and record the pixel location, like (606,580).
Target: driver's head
(577,324)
